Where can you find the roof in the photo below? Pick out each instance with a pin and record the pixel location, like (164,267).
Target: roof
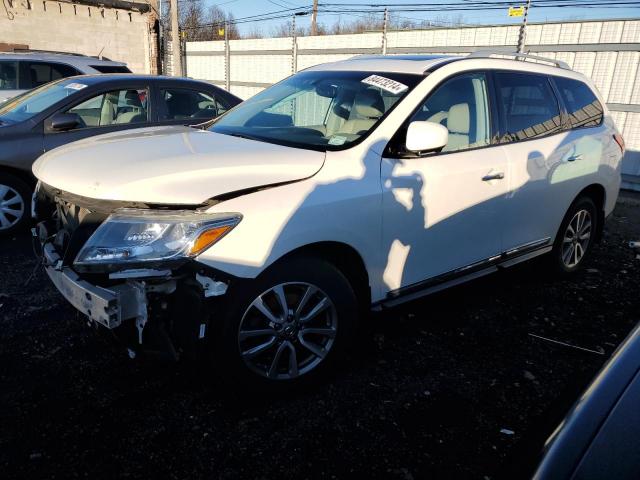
(417,64)
(68,58)
(102,78)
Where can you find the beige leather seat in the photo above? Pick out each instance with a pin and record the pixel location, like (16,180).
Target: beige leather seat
(135,113)
(368,107)
(108,110)
(458,124)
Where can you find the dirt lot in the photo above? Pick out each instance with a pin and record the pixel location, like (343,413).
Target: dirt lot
(427,393)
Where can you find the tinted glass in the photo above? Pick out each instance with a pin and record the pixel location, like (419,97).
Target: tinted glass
(528,105)
(321,110)
(39,73)
(118,107)
(111,68)
(8,75)
(583,107)
(184,104)
(461,105)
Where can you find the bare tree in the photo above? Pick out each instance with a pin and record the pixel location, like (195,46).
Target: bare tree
(200,25)
(255,32)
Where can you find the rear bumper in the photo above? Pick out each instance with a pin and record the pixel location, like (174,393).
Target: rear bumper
(108,307)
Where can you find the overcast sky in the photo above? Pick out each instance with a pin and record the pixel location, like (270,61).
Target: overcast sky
(244,8)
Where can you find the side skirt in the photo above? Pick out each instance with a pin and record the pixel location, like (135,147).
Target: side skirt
(464,274)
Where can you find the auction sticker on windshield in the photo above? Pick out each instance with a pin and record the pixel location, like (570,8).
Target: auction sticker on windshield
(386,84)
(76,86)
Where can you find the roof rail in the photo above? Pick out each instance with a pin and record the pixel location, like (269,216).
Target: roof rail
(54,52)
(519,56)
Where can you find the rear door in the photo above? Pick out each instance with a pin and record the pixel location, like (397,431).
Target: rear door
(533,135)
(113,109)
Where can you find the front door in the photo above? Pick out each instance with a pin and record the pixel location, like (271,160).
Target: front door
(443,211)
(118,109)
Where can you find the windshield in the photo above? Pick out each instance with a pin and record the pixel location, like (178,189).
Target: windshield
(31,103)
(321,110)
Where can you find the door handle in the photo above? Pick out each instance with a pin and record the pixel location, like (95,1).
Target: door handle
(493,176)
(573,158)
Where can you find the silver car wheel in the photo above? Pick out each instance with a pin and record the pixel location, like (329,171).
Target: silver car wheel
(576,238)
(11,207)
(287,331)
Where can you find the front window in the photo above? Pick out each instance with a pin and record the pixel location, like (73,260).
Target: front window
(460,104)
(117,107)
(318,110)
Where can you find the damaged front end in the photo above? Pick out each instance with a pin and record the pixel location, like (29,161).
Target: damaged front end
(131,268)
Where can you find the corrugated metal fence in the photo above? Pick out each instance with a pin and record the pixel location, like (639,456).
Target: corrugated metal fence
(607,51)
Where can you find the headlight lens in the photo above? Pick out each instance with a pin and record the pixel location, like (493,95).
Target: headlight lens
(145,238)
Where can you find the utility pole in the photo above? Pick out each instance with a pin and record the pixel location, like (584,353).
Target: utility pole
(523,28)
(384,31)
(294,46)
(176,41)
(227,57)
(314,18)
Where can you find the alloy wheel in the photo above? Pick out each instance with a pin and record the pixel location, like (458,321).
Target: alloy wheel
(576,238)
(287,331)
(11,207)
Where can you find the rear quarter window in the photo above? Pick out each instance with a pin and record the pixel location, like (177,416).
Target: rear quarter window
(581,103)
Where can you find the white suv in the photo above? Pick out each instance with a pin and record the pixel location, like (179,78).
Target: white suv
(349,186)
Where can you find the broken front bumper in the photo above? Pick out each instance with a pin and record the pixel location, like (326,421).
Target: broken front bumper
(108,307)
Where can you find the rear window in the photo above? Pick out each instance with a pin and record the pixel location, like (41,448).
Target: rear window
(583,107)
(528,106)
(36,74)
(111,68)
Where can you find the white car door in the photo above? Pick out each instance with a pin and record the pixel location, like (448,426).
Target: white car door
(443,211)
(548,165)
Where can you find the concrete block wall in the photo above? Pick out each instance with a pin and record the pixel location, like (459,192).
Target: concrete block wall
(120,35)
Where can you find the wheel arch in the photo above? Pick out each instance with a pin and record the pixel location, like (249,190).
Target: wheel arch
(598,194)
(346,259)
(26,177)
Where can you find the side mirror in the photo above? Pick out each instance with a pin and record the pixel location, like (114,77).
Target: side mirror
(61,122)
(426,137)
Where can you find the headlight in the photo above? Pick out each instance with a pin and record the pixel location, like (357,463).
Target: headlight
(142,238)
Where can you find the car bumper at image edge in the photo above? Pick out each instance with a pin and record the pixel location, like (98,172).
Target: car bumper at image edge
(108,307)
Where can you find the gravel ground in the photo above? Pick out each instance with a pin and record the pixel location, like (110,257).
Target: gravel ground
(425,394)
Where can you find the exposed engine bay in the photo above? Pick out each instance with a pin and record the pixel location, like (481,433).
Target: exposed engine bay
(158,311)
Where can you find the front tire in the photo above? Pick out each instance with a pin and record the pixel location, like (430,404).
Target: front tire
(15,204)
(288,326)
(576,236)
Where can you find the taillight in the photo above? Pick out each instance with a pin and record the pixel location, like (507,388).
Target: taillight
(620,141)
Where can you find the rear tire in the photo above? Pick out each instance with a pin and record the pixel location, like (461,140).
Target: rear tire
(576,236)
(15,204)
(263,347)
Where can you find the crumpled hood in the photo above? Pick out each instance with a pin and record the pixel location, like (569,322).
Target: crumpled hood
(171,165)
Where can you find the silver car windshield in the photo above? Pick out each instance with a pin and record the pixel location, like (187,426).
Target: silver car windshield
(320,110)
(31,103)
